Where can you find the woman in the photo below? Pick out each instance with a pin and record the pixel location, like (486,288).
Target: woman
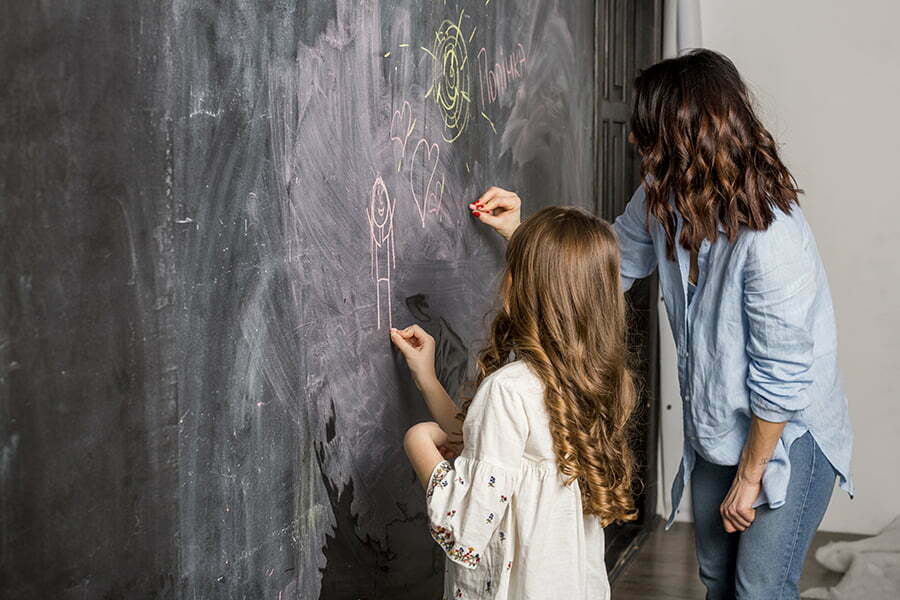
(766,427)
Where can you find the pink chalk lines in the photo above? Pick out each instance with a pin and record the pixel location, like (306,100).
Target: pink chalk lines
(380,214)
(426,188)
(418,160)
(495,78)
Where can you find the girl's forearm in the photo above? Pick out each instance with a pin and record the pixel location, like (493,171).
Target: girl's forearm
(442,408)
(421,445)
(759,448)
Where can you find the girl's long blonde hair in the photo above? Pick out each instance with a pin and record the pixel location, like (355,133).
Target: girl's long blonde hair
(564,313)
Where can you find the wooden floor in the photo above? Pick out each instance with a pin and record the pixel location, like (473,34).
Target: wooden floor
(665,567)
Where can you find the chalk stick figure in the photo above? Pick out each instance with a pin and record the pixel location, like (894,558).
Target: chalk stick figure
(380,214)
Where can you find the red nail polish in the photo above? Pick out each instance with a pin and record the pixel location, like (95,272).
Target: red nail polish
(476,213)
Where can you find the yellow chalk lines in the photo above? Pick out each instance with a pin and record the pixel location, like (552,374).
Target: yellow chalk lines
(450,77)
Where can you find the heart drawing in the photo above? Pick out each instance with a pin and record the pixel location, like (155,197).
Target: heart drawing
(423,166)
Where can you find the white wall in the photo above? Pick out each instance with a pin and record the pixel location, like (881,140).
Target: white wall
(826,74)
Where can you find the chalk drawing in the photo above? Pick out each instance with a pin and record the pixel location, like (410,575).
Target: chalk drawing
(435,197)
(450,77)
(380,214)
(402,125)
(427,192)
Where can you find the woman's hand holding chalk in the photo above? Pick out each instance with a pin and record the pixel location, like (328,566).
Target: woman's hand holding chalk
(500,209)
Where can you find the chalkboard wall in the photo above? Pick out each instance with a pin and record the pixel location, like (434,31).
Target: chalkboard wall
(211,213)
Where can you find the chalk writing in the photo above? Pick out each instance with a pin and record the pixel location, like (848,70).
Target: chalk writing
(380,214)
(450,77)
(494,79)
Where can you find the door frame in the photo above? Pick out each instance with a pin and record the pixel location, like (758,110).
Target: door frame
(628,35)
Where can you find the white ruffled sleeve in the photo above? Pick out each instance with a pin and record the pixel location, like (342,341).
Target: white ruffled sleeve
(467,500)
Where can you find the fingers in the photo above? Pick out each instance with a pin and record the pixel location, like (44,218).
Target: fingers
(729,527)
(416,335)
(401,343)
(739,521)
(499,209)
(502,201)
(408,333)
(451,447)
(736,519)
(495,198)
(487,218)
(414,331)
(413,336)
(490,193)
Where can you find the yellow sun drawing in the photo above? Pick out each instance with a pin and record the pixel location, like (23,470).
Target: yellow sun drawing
(450,77)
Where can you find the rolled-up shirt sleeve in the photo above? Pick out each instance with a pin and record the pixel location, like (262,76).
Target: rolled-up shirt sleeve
(779,293)
(635,243)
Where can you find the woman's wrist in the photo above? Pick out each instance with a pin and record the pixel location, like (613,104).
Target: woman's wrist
(507,233)
(752,468)
(759,449)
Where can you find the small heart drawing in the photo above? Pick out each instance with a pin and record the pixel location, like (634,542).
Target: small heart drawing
(401,131)
(435,197)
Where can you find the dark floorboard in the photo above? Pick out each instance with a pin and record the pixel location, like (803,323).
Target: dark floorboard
(665,566)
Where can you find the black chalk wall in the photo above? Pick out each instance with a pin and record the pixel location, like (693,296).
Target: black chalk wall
(211,213)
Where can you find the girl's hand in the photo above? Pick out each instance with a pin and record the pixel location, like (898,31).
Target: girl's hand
(417,348)
(499,208)
(449,450)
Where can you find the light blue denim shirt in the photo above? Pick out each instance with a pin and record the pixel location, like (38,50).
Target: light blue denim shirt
(757,338)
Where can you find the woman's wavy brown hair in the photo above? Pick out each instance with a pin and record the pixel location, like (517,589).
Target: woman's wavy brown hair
(564,314)
(702,145)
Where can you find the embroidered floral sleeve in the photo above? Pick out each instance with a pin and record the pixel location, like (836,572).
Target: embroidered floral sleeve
(438,477)
(466,501)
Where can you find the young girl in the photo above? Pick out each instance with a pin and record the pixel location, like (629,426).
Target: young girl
(545,462)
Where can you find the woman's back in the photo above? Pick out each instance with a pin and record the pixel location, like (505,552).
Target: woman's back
(509,524)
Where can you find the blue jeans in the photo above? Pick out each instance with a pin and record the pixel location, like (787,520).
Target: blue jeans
(765,561)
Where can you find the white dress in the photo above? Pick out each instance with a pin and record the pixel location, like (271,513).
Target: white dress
(508,525)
